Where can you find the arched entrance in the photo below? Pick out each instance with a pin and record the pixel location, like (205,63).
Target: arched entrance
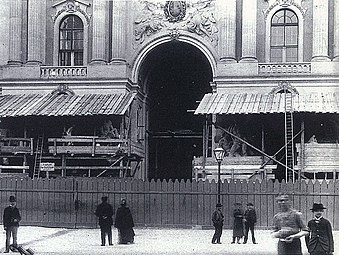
(174,76)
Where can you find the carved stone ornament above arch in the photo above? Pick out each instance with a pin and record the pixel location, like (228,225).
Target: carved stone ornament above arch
(284,4)
(71,6)
(284,86)
(174,16)
(63,90)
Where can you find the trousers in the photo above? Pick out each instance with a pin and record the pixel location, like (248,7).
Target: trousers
(11,231)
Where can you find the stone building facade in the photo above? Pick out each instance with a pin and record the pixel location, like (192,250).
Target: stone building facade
(167,55)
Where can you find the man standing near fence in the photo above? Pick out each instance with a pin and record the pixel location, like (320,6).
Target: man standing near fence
(218,222)
(288,227)
(11,219)
(104,212)
(250,218)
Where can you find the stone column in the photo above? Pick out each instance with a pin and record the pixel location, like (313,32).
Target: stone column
(249,31)
(320,31)
(118,31)
(36,30)
(99,44)
(226,15)
(336,31)
(15,27)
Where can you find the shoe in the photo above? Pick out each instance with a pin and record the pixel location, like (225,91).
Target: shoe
(110,244)
(255,243)
(219,242)
(232,242)
(238,242)
(102,245)
(6,251)
(244,242)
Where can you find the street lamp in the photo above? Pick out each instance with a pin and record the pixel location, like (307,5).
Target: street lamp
(219,154)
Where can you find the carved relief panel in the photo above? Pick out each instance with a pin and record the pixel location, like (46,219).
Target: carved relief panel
(175,16)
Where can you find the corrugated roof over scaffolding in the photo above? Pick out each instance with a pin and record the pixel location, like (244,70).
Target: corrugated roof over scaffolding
(64,105)
(247,103)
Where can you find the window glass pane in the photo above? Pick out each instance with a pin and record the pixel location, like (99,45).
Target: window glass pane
(71,42)
(291,35)
(278,18)
(292,54)
(276,55)
(277,36)
(291,17)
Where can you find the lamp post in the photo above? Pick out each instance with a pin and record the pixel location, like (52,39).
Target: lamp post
(219,154)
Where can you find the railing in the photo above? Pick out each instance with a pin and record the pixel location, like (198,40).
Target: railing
(57,72)
(284,68)
(86,145)
(16,145)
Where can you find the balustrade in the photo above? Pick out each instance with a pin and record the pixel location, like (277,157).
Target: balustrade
(284,68)
(56,72)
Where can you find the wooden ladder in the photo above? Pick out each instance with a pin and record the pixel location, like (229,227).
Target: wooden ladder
(38,156)
(289,134)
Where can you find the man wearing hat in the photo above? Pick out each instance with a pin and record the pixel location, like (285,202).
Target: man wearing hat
(320,240)
(11,219)
(288,227)
(218,222)
(250,218)
(104,212)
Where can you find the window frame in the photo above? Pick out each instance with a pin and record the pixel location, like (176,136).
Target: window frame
(300,32)
(56,41)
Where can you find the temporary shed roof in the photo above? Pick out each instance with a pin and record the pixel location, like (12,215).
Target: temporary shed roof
(64,105)
(248,103)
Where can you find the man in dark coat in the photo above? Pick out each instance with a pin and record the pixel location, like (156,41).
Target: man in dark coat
(218,221)
(124,223)
(250,218)
(104,212)
(320,240)
(11,219)
(238,225)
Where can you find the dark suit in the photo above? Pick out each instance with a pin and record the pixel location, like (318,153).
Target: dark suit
(251,218)
(320,240)
(104,212)
(11,219)
(218,221)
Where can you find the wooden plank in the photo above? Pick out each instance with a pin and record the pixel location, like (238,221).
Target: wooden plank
(176,202)
(182,202)
(170,203)
(164,203)
(195,203)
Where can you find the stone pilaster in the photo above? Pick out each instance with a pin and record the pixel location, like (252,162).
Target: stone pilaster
(119,31)
(15,27)
(336,31)
(249,31)
(36,31)
(226,15)
(99,45)
(320,31)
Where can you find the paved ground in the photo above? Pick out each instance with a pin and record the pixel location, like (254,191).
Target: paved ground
(48,241)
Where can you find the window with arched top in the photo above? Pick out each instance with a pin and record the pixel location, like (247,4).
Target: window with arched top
(284,36)
(71,41)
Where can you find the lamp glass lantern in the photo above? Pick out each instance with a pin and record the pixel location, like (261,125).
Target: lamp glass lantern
(219,154)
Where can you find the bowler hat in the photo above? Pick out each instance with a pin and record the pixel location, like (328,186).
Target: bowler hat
(250,204)
(318,207)
(12,199)
(104,198)
(219,205)
(123,201)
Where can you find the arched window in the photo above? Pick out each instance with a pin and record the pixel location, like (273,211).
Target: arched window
(284,37)
(71,41)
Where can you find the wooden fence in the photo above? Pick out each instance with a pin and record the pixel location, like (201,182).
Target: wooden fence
(71,202)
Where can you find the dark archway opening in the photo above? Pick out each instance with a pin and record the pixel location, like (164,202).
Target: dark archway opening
(175,76)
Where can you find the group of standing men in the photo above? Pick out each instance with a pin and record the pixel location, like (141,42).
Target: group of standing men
(288,228)
(123,222)
(242,224)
